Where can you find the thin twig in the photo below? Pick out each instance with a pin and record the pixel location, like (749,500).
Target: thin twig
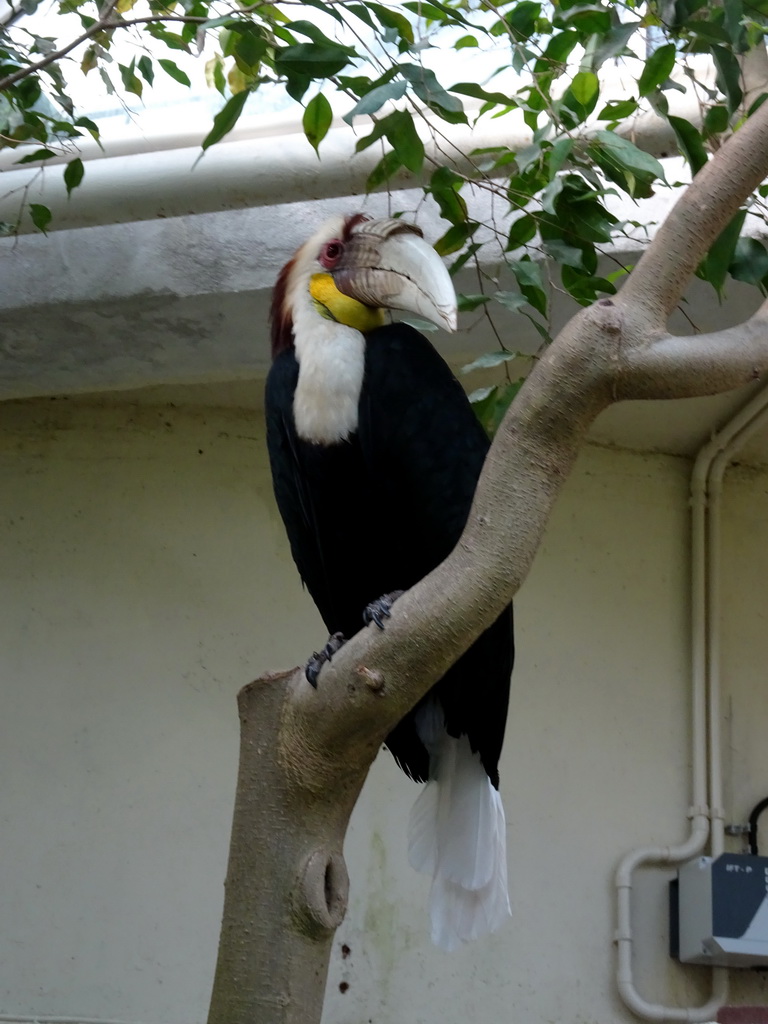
(13,14)
(97,27)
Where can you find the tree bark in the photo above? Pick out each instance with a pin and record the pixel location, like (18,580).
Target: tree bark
(286,885)
(305,752)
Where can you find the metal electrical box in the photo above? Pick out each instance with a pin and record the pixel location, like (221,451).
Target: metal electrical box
(720,913)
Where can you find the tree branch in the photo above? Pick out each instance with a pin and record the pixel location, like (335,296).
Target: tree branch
(98,26)
(704,364)
(107,24)
(12,15)
(658,281)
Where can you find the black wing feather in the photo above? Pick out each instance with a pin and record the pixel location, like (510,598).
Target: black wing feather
(378,512)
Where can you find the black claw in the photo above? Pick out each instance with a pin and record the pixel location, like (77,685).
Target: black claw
(319,658)
(381,608)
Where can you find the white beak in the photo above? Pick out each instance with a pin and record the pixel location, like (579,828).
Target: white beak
(387,264)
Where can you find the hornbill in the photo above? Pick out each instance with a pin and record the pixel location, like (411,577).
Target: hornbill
(375,454)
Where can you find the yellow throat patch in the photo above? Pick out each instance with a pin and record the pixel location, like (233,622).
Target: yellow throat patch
(331,304)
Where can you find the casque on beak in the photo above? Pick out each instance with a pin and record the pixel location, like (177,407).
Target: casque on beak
(387,263)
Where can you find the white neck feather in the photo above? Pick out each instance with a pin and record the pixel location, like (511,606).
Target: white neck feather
(331,360)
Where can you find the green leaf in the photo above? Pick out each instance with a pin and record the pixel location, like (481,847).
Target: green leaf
(361,12)
(714,267)
(733,12)
(467,255)
(728,76)
(521,21)
(395,21)
(145,67)
(542,330)
(477,92)
(584,288)
(226,21)
(388,166)
(469,303)
(90,60)
(488,360)
(750,262)
(226,119)
(617,110)
(613,43)
(690,143)
(38,154)
(41,216)
(480,393)
(628,155)
(175,72)
(528,157)
(399,130)
(90,127)
(317,120)
(560,46)
(521,231)
(588,19)
(560,152)
(311,31)
(405,140)
(579,99)
(359,85)
(624,163)
(171,39)
(491,408)
(580,220)
(563,253)
(246,43)
(329,9)
(512,301)
(375,99)
(444,186)
(73,174)
(430,91)
(64,128)
(455,238)
(424,326)
(529,280)
(585,86)
(131,82)
(437,12)
(312,60)
(550,194)
(591,222)
(297,84)
(28,90)
(657,69)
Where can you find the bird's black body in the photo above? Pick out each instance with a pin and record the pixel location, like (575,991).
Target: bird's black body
(377,512)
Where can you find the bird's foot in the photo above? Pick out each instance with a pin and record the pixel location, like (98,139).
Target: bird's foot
(335,642)
(381,608)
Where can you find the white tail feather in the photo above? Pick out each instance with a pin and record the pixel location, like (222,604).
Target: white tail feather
(457,834)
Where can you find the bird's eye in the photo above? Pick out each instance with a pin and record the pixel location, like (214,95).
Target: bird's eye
(331,253)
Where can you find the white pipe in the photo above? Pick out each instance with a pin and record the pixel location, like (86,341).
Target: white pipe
(250,168)
(744,426)
(706,491)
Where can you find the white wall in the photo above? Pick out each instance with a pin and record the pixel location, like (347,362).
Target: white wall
(144,577)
